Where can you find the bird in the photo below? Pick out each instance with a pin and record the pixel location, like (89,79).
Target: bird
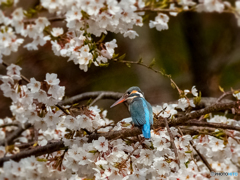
(140,109)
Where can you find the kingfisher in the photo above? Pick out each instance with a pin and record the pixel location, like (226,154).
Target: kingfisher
(140,109)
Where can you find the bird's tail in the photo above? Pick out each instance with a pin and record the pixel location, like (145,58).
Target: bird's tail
(146,130)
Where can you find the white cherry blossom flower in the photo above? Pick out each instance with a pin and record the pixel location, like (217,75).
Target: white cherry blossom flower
(34,85)
(131,34)
(101,144)
(146,157)
(13,70)
(210,6)
(41,96)
(161,166)
(194,91)
(237,95)
(52,79)
(167,110)
(57,32)
(41,23)
(160,22)
(216,144)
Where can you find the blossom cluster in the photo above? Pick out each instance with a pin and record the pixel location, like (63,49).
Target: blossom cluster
(169,110)
(86,19)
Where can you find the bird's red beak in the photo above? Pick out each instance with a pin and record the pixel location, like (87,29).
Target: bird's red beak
(122,99)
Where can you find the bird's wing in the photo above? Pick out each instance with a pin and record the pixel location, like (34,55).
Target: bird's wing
(139,112)
(150,112)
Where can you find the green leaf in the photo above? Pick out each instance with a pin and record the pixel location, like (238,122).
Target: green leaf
(93,151)
(221,89)
(128,65)
(115,56)
(188,151)
(186,164)
(38,7)
(173,85)
(195,137)
(152,63)
(101,167)
(7,3)
(140,61)
(206,116)
(145,18)
(102,38)
(122,57)
(42,160)
(197,99)
(89,101)
(104,65)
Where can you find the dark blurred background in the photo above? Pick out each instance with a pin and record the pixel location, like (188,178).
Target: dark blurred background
(199,49)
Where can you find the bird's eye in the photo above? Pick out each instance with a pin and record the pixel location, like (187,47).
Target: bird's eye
(128,92)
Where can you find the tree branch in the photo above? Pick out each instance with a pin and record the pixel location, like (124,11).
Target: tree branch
(9,124)
(224,95)
(9,139)
(96,99)
(38,151)
(88,95)
(52,19)
(207,110)
(213,125)
(172,142)
(204,160)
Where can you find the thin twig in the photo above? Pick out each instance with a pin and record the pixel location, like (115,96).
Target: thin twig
(224,95)
(135,148)
(88,95)
(35,135)
(23,77)
(62,157)
(96,99)
(52,19)
(172,142)
(204,160)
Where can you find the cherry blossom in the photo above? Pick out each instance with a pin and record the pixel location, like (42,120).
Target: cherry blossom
(101,144)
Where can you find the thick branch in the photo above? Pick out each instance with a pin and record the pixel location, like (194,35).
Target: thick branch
(213,108)
(213,125)
(116,134)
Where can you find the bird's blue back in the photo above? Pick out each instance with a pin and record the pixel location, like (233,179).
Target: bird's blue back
(141,112)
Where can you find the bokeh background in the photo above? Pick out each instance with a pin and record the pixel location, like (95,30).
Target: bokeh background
(201,49)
